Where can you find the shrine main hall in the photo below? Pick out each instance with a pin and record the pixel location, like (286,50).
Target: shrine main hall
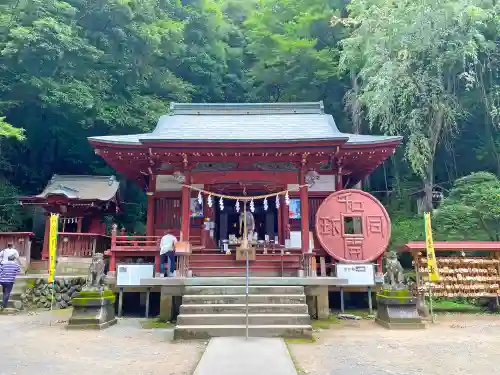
(293,150)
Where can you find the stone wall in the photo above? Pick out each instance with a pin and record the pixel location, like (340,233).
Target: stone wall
(39,293)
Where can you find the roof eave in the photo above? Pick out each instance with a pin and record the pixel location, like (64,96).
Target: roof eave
(201,141)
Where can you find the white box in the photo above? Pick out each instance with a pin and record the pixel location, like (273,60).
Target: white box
(131,274)
(357,274)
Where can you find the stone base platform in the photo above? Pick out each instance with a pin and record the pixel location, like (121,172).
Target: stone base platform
(93,310)
(237,281)
(397,309)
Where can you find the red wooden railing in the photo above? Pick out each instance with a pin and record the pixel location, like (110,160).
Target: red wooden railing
(82,245)
(122,246)
(21,241)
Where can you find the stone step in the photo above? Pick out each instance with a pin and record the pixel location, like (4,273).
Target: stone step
(252,290)
(207,331)
(259,308)
(238,319)
(14,302)
(240,271)
(13,296)
(241,299)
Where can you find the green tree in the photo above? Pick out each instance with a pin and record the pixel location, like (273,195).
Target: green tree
(415,61)
(295,51)
(472,210)
(8,131)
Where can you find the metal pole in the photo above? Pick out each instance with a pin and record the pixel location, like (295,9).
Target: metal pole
(245,242)
(342,309)
(246,295)
(120,303)
(370,303)
(430,301)
(148,293)
(51,299)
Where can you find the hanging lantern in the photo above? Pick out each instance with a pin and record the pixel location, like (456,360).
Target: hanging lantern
(265,204)
(209,201)
(221,204)
(277,202)
(252,206)
(287,199)
(200,199)
(237,206)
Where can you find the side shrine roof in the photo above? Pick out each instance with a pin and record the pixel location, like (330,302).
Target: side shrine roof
(102,188)
(245,122)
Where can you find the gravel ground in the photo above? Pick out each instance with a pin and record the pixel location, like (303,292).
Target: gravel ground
(455,345)
(30,345)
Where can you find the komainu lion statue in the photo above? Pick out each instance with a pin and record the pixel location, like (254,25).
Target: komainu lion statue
(394,276)
(95,278)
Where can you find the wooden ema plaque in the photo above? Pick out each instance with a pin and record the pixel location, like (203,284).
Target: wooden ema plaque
(241,253)
(182,248)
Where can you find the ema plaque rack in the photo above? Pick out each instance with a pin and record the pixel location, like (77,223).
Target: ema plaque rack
(461,277)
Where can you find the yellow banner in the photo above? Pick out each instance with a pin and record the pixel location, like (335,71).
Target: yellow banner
(431,255)
(54,220)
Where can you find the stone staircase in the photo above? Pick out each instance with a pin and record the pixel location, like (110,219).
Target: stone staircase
(15,297)
(215,311)
(207,263)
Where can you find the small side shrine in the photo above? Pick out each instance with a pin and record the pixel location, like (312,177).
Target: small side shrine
(81,202)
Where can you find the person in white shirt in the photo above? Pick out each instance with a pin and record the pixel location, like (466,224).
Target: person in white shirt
(7,252)
(167,253)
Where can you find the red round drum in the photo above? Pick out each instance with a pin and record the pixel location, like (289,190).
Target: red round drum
(353,226)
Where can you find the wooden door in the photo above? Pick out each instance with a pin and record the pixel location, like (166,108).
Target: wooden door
(167,216)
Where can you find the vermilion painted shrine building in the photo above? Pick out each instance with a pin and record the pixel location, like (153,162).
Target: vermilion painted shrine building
(253,149)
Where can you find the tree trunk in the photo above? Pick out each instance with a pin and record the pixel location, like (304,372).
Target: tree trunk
(428,181)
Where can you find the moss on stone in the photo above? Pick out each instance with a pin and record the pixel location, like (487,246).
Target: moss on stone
(83,300)
(311,340)
(155,323)
(399,293)
(95,294)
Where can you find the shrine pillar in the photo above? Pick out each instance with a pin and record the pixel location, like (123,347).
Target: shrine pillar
(185,205)
(338,180)
(150,218)
(304,210)
(284,215)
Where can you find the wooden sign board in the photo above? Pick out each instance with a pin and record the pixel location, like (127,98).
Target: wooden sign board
(183,247)
(241,254)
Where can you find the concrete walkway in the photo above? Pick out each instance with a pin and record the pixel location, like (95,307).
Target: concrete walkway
(237,356)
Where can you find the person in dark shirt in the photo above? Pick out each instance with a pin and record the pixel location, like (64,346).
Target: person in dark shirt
(9,269)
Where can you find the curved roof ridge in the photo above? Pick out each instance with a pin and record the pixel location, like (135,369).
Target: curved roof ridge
(198,109)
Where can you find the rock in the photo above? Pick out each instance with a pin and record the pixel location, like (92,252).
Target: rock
(18,305)
(58,297)
(348,317)
(66,298)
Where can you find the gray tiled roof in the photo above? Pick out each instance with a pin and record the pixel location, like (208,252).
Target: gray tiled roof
(262,122)
(101,188)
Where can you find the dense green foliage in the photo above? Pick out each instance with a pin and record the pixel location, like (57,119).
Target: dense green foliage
(425,69)
(473,199)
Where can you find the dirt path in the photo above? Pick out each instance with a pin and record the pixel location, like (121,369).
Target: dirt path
(29,345)
(457,345)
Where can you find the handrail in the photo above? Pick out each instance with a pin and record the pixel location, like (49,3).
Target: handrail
(74,234)
(17,233)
